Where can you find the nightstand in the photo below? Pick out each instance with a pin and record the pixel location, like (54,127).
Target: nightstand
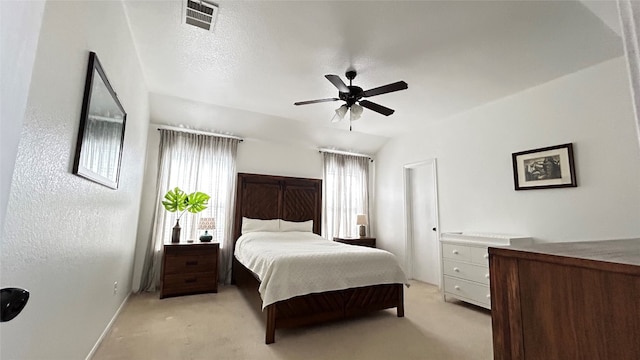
(361,241)
(189,268)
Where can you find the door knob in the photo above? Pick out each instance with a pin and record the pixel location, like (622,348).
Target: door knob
(13,301)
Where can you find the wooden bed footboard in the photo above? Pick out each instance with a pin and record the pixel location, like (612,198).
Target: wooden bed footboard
(318,307)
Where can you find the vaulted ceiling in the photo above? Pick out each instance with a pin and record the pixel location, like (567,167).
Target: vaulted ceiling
(264,55)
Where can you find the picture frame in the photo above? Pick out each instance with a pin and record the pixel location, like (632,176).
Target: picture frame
(102,125)
(544,168)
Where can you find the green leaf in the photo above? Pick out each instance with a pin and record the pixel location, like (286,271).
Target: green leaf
(197,202)
(176,200)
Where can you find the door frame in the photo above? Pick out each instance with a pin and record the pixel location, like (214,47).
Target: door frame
(408,232)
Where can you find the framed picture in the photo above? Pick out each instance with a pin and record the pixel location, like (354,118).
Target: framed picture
(544,168)
(101,134)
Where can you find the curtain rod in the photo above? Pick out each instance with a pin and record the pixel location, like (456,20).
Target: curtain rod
(194,131)
(341,152)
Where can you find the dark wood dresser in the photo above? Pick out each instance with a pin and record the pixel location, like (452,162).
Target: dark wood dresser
(576,300)
(189,268)
(360,241)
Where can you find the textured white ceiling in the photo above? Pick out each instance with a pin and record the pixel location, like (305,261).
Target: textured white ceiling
(265,55)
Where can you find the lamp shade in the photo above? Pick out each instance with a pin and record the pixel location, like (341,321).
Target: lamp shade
(356,112)
(362,220)
(207,224)
(341,111)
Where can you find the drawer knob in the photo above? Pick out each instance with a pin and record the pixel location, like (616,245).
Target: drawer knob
(455,252)
(456,269)
(192,262)
(486,276)
(488,296)
(457,287)
(192,280)
(486,256)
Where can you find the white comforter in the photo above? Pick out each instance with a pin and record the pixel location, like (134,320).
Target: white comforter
(290,264)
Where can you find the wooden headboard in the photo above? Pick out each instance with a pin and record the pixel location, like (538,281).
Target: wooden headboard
(277,197)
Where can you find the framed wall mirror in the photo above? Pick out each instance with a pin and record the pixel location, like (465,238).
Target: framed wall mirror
(101,135)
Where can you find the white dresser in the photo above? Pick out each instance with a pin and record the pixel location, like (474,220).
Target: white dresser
(465,264)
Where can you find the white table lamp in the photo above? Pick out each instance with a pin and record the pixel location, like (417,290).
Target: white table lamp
(206,224)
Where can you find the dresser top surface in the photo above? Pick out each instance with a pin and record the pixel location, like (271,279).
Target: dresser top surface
(486,239)
(625,251)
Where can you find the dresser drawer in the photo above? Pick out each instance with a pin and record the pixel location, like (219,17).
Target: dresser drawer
(456,252)
(181,263)
(186,283)
(480,256)
(466,271)
(468,290)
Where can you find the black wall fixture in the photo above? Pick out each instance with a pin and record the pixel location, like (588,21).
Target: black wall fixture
(12,301)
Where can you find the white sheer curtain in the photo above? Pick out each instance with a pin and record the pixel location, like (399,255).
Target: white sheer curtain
(193,162)
(101,146)
(345,194)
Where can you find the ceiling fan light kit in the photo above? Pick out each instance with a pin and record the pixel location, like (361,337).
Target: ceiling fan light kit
(356,112)
(341,111)
(352,96)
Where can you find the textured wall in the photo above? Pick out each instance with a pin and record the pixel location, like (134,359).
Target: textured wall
(67,239)
(591,108)
(20,28)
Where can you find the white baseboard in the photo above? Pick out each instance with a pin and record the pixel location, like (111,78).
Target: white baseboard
(106,330)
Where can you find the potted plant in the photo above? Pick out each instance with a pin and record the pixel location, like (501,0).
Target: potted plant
(177,200)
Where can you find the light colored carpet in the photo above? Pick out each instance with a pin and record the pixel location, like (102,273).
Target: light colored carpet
(222,326)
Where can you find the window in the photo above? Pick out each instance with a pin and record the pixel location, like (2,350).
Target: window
(345,193)
(193,162)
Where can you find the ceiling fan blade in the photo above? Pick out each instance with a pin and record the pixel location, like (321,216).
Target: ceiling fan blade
(400,85)
(377,107)
(315,101)
(337,82)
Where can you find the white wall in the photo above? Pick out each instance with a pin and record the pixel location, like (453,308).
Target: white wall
(270,158)
(254,156)
(591,108)
(67,240)
(20,23)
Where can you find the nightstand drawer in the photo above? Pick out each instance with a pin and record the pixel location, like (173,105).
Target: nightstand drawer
(186,283)
(177,264)
(189,269)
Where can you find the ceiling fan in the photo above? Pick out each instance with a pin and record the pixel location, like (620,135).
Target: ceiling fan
(352,95)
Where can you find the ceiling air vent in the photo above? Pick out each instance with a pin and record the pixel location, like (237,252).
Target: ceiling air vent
(200,13)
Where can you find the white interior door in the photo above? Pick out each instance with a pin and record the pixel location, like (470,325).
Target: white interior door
(420,182)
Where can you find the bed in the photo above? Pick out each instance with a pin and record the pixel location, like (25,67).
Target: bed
(297,200)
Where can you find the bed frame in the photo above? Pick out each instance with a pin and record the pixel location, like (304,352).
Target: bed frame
(299,199)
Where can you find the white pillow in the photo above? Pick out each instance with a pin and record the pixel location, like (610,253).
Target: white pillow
(253,225)
(306,226)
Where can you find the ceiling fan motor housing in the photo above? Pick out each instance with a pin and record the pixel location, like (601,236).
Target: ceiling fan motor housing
(355,93)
